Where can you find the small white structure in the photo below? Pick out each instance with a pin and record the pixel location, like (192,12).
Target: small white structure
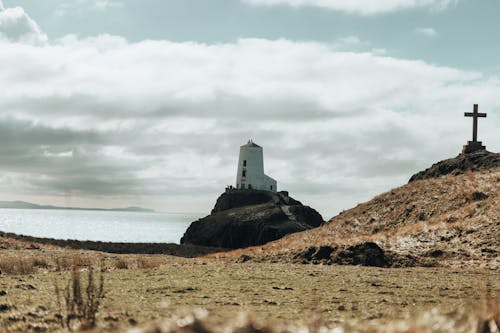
(251,169)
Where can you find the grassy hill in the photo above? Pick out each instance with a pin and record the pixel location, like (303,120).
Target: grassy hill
(451,220)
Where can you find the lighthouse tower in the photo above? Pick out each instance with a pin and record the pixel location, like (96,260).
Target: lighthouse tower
(251,169)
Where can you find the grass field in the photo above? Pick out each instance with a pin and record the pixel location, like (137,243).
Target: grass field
(148,288)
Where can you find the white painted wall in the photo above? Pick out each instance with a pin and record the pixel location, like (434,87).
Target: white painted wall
(252,174)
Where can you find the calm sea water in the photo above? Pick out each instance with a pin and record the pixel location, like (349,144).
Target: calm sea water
(97,225)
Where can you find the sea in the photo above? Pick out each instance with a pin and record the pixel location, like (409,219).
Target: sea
(106,226)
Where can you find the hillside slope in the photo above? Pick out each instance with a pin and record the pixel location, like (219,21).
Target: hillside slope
(448,220)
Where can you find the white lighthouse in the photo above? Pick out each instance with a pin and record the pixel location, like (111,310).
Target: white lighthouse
(251,169)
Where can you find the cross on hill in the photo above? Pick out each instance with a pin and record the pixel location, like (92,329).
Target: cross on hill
(474,145)
(475,115)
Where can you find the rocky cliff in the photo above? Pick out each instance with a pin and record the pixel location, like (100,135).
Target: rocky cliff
(243,218)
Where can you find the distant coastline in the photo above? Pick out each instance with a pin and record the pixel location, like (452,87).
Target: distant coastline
(29,205)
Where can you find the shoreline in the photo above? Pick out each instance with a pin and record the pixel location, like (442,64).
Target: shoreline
(178,250)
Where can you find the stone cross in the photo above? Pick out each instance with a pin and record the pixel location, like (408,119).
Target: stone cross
(474,145)
(475,115)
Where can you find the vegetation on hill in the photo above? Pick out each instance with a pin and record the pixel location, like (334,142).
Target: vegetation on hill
(447,220)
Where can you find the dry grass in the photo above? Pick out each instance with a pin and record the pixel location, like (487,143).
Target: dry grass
(140,262)
(79,302)
(338,296)
(20,266)
(121,263)
(458,215)
(434,321)
(148,263)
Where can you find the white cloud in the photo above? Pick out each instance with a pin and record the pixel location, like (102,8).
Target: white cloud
(17,26)
(156,120)
(78,7)
(360,7)
(427,32)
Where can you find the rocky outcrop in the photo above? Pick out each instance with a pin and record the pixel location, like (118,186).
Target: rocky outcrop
(365,254)
(243,218)
(362,254)
(477,161)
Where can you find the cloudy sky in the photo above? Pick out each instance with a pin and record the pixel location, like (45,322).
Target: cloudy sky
(124,102)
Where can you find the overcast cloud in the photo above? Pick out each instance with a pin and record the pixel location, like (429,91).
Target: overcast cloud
(427,32)
(360,7)
(80,7)
(109,122)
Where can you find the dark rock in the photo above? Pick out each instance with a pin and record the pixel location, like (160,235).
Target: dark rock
(478,196)
(324,252)
(477,161)
(25,286)
(5,307)
(33,314)
(315,255)
(240,198)
(397,260)
(244,258)
(307,254)
(185,290)
(3,293)
(16,318)
(33,247)
(365,254)
(270,302)
(37,328)
(243,218)
(434,253)
(282,288)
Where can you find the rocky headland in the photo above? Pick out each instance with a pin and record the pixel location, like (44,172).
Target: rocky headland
(243,218)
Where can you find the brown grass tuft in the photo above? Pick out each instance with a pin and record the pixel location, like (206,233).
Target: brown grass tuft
(121,263)
(79,302)
(18,266)
(148,263)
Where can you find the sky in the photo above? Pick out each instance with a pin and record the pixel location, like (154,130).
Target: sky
(114,103)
